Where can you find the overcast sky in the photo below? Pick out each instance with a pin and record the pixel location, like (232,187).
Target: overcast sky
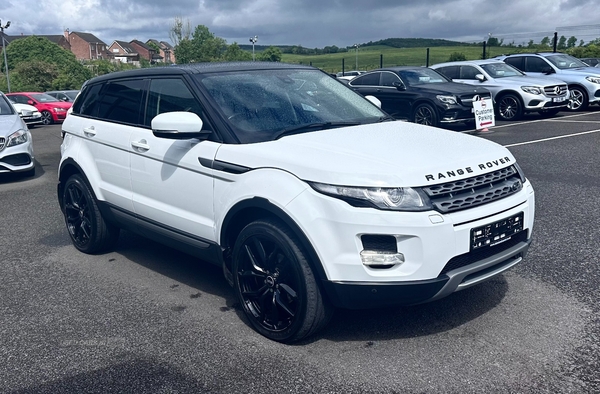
(310,23)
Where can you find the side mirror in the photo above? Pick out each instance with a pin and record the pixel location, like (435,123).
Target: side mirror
(480,77)
(548,70)
(178,126)
(30,102)
(399,85)
(374,100)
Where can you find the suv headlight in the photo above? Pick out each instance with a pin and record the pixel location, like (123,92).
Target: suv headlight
(593,79)
(532,89)
(393,198)
(447,99)
(17,138)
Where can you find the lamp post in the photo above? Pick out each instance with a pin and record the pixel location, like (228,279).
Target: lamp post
(253,41)
(4,50)
(356,46)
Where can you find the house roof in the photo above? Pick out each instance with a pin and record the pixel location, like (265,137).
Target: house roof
(138,42)
(88,37)
(126,47)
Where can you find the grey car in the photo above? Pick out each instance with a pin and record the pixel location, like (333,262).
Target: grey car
(514,93)
(583,80)
(16,151)
(64,95)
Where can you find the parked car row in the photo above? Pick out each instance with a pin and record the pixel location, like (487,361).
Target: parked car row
(542,82)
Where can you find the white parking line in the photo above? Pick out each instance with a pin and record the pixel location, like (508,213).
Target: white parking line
(545,120)
(553,138)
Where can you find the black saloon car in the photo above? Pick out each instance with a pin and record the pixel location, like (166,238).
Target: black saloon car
(420,94)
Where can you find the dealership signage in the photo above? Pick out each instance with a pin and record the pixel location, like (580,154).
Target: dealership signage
(484,113)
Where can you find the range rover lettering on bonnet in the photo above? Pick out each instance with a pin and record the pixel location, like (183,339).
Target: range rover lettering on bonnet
(467,170)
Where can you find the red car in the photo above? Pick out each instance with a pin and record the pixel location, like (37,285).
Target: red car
(51,108)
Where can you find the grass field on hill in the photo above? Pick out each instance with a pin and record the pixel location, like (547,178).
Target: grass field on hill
(369,57)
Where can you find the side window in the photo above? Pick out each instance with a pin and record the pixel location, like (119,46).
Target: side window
(17,98)
(371,79)
(535,64)
(516,61)
(388,79)
(468,72)
(87,104)
(170,95)
(121,101)
(451,72)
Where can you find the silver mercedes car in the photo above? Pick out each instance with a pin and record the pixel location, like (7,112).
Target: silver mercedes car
(16,149)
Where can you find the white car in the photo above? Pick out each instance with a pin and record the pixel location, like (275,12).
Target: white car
(514,93)
(30,114)
(305,193)
(16,149)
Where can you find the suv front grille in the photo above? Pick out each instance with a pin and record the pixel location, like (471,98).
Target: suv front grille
(467,99)
(478,190)
(555,91)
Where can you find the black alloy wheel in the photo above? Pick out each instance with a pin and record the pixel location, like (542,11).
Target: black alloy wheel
(275,284)
(510,108)
(425,114)
(47,118)
(87,228)
(578,100)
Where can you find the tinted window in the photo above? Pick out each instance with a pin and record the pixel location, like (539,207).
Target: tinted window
(451,72)
(468,72)
(535,64)
(371,79)
(19,99)
(121,101)
(388,79)
(88,102)
(515,61)
(5,107)
(169,95)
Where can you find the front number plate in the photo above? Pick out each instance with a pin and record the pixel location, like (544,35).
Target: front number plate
(496,233)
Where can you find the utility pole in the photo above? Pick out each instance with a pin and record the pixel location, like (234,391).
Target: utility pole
(253,41)
(4,43)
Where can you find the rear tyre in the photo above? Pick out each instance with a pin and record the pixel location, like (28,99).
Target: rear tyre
(578,101)
(275,285)
(87,228)
(425,114)
(510,107)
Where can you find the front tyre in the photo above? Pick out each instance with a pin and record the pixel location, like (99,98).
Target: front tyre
(510,107)
(47,118)
(87,228)
(425,114)
(275,285)
(578,100)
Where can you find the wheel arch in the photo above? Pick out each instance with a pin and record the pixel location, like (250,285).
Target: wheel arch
(247,211)
(67,168)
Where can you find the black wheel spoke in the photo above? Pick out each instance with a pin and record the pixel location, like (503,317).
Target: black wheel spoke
(280,301)
(253,261)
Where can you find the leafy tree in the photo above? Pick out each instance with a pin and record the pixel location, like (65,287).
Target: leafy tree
(65,70)
(493,42)
(571,42)
(204,46)
(545,41)
(271,54)
(235,53)
(562,43)
(530,44)
(153,46)
(457,56)
(34,76)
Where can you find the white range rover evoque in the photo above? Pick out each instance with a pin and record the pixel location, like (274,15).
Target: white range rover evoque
(307,194)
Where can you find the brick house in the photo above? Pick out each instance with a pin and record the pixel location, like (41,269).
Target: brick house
(124,52)
(86,46)
(145,51)
(166,50)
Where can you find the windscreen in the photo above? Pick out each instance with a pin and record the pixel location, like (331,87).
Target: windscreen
(261,104)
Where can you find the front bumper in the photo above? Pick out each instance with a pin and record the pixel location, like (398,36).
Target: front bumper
(436,247)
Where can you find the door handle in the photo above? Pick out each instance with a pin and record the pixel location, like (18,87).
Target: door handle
(140,146)
(89,131)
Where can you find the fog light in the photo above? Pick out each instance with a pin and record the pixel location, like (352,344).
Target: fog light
(373,258)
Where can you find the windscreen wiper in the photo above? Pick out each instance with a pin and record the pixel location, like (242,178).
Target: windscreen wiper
(313,126)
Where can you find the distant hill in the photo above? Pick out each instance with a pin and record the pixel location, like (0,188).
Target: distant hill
(391,42)
(417,43)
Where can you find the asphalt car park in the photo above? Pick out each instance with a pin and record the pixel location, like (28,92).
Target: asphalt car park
(146,318)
